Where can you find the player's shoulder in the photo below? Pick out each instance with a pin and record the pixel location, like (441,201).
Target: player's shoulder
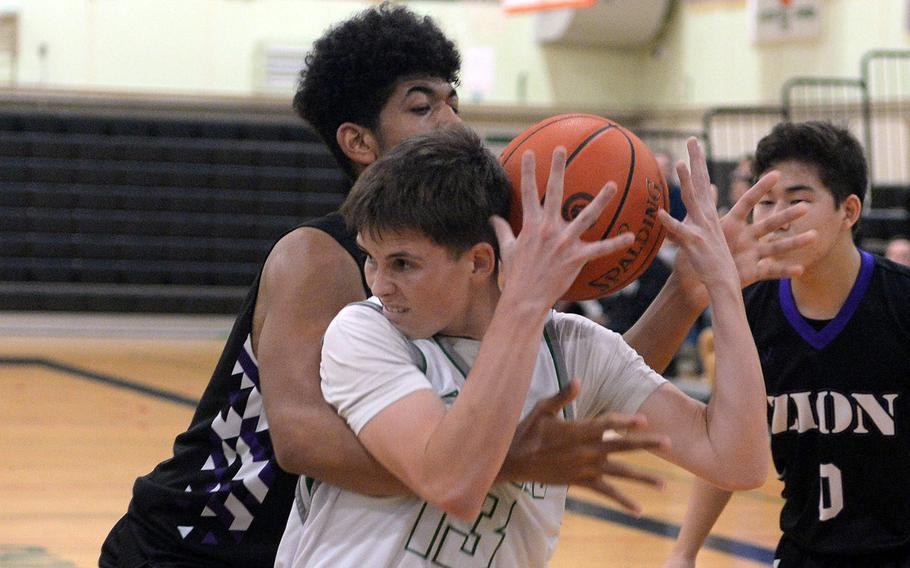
(360,330)
(362,313)
(577,328)
(897,273)
(312,259)
(307,241)
(894,288)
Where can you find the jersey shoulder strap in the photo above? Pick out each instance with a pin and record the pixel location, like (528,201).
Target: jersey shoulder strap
(559,362)
(417,356)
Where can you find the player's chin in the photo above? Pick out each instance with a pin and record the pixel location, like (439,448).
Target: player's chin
(413,331)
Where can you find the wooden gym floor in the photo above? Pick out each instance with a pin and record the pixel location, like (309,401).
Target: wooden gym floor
(90,403)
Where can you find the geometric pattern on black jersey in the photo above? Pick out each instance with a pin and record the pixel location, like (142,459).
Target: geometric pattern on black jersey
(240,459)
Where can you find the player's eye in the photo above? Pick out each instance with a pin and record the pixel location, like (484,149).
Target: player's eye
(402,264)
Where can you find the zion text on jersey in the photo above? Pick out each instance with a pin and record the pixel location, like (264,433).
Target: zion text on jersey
(832,412)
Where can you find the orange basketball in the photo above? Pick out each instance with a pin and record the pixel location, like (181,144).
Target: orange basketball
(598,150)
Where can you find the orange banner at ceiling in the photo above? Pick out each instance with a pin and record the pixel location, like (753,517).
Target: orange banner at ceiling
(520,6)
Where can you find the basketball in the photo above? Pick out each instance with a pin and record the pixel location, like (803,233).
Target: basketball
(598,150)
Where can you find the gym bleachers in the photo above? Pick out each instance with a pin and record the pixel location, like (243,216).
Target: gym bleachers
(149,214)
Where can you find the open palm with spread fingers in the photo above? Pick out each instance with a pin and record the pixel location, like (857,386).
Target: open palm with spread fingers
(700,235)
(754,256)
(548,253)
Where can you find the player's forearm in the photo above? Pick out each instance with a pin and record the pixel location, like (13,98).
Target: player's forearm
(736,413)
(468,448)
(659,332)
(319,444)
(705,505)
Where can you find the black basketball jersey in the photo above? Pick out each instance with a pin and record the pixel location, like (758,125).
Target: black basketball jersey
(839,410)
(222,500)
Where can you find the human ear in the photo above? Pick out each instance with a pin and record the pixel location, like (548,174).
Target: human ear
(484,260)
(358,143)
(853,208)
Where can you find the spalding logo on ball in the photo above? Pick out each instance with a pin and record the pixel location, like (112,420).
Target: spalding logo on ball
(597,151)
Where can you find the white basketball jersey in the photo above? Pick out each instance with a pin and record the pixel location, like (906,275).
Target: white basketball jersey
(367,365)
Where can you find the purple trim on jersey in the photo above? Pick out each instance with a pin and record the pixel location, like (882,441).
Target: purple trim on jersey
(821,338)
(249,367)
(242,480)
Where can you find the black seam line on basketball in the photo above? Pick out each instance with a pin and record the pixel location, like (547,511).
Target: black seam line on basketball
(730,546)
(535,131)
(625,193)
(649,257)
(654,248)
(108,380)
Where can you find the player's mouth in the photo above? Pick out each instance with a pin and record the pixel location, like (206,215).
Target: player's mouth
(394,310)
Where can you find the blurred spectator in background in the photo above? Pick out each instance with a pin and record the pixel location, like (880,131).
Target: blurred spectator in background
(667,165)
(741,179)
(898,250)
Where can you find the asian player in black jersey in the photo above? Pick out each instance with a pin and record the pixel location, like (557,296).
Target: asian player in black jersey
(834,345)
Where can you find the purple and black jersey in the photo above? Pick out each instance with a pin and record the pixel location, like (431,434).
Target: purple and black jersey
(839,410)
(222,500)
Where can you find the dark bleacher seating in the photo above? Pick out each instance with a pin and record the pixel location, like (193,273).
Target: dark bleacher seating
(107,213)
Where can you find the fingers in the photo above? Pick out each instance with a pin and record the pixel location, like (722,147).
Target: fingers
(631,443)
(619,469)
(779,219)
(778,247)
(676,230)
(698,164)
(553,201)
(591,212)
(504,235)
(607,490)
(751,198)
(622,422)
(768,269)
(593,429)
(554,404)
(607,246)
(530,204)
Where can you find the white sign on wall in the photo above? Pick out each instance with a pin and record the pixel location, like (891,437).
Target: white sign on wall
(519,6)
(775,21)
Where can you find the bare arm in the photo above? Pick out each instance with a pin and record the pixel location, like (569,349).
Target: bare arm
(726,441)
(307,279)
(661,329)
(705,505)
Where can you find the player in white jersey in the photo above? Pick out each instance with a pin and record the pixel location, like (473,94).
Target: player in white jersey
(435,374)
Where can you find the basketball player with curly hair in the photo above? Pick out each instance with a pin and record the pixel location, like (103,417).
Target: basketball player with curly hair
(223,497)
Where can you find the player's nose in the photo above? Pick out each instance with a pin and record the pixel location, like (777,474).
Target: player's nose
(447,117)
(381,285)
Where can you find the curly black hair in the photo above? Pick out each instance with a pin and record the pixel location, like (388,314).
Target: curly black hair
(353,68)
(833,151)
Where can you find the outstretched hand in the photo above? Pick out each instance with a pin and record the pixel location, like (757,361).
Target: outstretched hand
(700,235)
(548,449)
(548,253)
(754,257)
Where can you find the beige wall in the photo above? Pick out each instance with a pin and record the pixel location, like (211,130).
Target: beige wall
(210,46)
